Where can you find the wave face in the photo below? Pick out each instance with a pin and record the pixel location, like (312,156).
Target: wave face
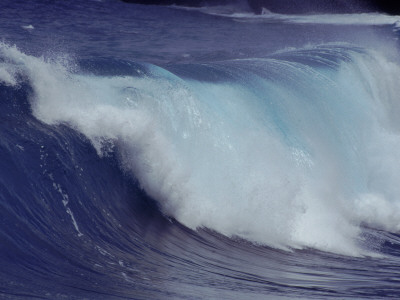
(212,176)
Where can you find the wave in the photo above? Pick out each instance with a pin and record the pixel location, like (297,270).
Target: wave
(267,16)
(292,151)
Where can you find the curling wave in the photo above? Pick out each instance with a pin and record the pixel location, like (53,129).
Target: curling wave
(300,149)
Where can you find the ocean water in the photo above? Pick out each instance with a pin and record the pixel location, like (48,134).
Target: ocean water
(154,152)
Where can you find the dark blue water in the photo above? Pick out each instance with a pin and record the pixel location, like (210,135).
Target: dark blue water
(151,152)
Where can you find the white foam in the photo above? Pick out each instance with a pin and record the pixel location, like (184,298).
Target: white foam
(28,27)
(7,74)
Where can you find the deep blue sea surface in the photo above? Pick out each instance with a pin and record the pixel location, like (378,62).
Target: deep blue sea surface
(154,152)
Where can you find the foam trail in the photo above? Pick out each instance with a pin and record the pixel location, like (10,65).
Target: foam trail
(280,152)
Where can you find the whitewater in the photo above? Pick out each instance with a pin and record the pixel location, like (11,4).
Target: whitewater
(264,169)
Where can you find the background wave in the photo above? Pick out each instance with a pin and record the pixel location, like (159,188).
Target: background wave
(367,18)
